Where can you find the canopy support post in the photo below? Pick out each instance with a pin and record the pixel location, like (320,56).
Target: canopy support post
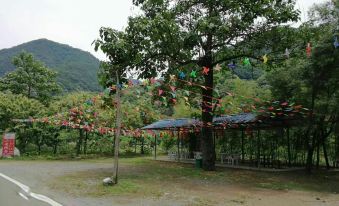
(258,148)
(178,145)
(242,146)
(155,148)
(288,146)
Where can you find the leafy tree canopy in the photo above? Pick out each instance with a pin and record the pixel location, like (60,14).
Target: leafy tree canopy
(18,107)
(31,78)
(171,36)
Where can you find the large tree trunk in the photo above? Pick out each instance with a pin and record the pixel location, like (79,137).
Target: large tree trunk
(208,149)
(207,145)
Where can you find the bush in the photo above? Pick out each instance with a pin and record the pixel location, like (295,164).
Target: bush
(167,142)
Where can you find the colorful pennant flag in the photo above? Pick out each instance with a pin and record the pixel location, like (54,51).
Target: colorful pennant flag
(187,102)
(172,78)
(232,65)
(160,91)
(113,88)
(308,50)
(182,75)
(130,83)
(174,101)
(205,88)
(173,88)
(247,62)
(153,81)
(205,71)
(217,68)
(265,59)
(193,74)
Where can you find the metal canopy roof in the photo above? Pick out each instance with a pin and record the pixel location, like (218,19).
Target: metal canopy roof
(243,118)
(168,124)
(227,121)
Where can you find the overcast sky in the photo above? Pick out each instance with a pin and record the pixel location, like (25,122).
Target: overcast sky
(72,22)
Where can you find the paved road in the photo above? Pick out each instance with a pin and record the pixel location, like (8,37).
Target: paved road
(38,175)
(14,193)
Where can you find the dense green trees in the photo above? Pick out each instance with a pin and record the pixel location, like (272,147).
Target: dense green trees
(313,82)
(170,37)
(19,107)
(31,79)
(67,61)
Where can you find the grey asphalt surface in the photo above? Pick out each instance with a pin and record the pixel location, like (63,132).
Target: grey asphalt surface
(9,195)
(38,174)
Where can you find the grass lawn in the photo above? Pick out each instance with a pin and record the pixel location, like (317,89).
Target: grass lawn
(142,177)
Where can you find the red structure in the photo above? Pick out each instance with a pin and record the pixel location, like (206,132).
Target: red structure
(8,144)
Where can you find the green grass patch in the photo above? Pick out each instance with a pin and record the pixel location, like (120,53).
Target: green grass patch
(145,177)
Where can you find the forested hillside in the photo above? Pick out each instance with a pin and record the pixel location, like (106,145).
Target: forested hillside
(77,69)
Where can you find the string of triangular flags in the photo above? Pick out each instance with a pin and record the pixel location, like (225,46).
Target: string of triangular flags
(172,89)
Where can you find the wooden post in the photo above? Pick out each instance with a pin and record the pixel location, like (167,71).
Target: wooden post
(142,145)
(214,141)
(155,148)
(252,149)
(258,147)
(178,142)
(117,133)
(288,146)
(242,146)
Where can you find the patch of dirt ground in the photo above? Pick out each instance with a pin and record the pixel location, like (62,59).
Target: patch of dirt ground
(145,182)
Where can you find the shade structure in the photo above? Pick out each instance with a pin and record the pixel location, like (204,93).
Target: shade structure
(239,121)
(173,124)
(255,121)
(244,118)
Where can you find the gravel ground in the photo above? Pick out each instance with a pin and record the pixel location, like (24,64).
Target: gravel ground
(39,174)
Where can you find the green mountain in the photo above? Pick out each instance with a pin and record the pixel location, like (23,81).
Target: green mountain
(77,69)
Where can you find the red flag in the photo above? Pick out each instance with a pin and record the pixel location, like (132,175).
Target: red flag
(205,71)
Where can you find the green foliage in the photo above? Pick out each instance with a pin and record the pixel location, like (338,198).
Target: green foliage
(313,82)
(175,34)
(31,78)
(13,107)
(182,110)
(17,107)
(77,70)
(171,36)
(239,95)
(167,142)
